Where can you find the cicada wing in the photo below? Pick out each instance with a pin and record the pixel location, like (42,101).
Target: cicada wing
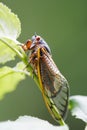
(62,97)
(54,86)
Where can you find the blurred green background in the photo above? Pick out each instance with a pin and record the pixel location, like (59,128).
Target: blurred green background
(63,24)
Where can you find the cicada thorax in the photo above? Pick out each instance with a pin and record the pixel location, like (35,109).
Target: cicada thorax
(33,60)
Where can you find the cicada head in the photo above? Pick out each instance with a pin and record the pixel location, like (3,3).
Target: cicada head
(35,43)
(38,41)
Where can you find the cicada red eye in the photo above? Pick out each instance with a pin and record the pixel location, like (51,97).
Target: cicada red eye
(27,45)
(38,38)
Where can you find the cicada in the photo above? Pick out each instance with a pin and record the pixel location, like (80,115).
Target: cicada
(53,84)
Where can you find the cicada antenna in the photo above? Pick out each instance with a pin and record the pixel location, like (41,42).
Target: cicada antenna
(35,34)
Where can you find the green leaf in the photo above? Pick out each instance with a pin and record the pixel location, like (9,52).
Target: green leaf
(86,127)
(78,106)
(9,23)
(9,49)
(20,67)
(9,78)
(30,123)
(10,29)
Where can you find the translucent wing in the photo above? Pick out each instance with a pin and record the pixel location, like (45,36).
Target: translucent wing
(53,84)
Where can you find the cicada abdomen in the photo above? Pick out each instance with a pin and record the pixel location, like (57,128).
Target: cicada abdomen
(53,85)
